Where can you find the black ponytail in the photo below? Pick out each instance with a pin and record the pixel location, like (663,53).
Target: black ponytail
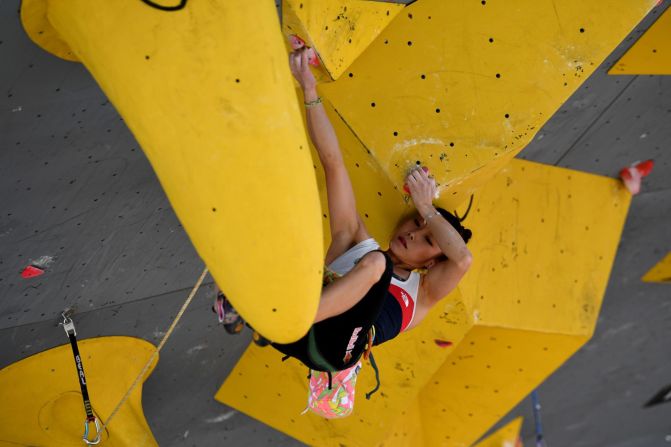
(455,221)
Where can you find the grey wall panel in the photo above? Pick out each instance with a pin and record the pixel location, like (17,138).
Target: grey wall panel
(77,188)
(81,191)
(637,126)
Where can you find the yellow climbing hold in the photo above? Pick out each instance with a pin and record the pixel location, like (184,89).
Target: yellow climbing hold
(42,402)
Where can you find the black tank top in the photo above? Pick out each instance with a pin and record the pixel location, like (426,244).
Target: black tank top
(389,321)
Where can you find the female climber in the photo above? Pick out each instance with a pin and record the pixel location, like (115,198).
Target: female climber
(370,294)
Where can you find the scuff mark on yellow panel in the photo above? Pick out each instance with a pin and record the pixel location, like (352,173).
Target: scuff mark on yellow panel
(543,251)
(661,272)
(506,436)
(489,373)
(220,124)
(42,402)
(651,54)
(340,30)
(453,86)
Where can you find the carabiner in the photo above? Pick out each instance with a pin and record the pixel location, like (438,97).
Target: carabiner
(68,324)
(85,438)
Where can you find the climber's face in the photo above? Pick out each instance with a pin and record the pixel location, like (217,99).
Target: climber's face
(413,244)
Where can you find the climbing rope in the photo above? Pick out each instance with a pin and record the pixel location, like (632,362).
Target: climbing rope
(153,356)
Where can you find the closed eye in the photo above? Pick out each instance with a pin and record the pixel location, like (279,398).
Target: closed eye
(417,223)
(429,241)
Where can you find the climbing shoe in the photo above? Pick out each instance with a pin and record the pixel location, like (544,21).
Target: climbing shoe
(260,340)
(227,315)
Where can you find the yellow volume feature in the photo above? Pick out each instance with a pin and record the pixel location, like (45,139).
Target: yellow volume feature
(462,87)
(661,272)
(340,30)
(207,92)
(42,402)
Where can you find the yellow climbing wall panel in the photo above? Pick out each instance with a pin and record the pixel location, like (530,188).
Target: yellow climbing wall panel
(661,272)
(506,436)
(378,200)
(543,217)
(42,402)
(489,373)
(340,30)
(208,94)
(511,322)
(651,54)
(452,85)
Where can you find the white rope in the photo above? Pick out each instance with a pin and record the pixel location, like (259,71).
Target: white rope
(153,356)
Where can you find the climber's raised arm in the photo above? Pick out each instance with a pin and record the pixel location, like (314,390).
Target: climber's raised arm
(345,224)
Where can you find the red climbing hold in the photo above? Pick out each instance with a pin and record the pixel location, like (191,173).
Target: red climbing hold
(632,175)
(298,43)
(31,272)
(443,343)
(405,185)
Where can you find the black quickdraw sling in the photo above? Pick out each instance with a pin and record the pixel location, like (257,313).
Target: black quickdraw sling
(69,327)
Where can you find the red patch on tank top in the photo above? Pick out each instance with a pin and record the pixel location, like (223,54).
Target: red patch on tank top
(406,302)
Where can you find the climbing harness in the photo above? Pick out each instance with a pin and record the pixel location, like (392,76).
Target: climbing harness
(368,355)
(69,327)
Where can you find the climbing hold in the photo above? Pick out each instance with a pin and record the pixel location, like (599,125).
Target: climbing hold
(632,175)
(297,43)
(405,185)
(443,343)
(31,272)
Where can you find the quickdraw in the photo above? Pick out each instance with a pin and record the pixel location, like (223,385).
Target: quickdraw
(535,402)
(69,327)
